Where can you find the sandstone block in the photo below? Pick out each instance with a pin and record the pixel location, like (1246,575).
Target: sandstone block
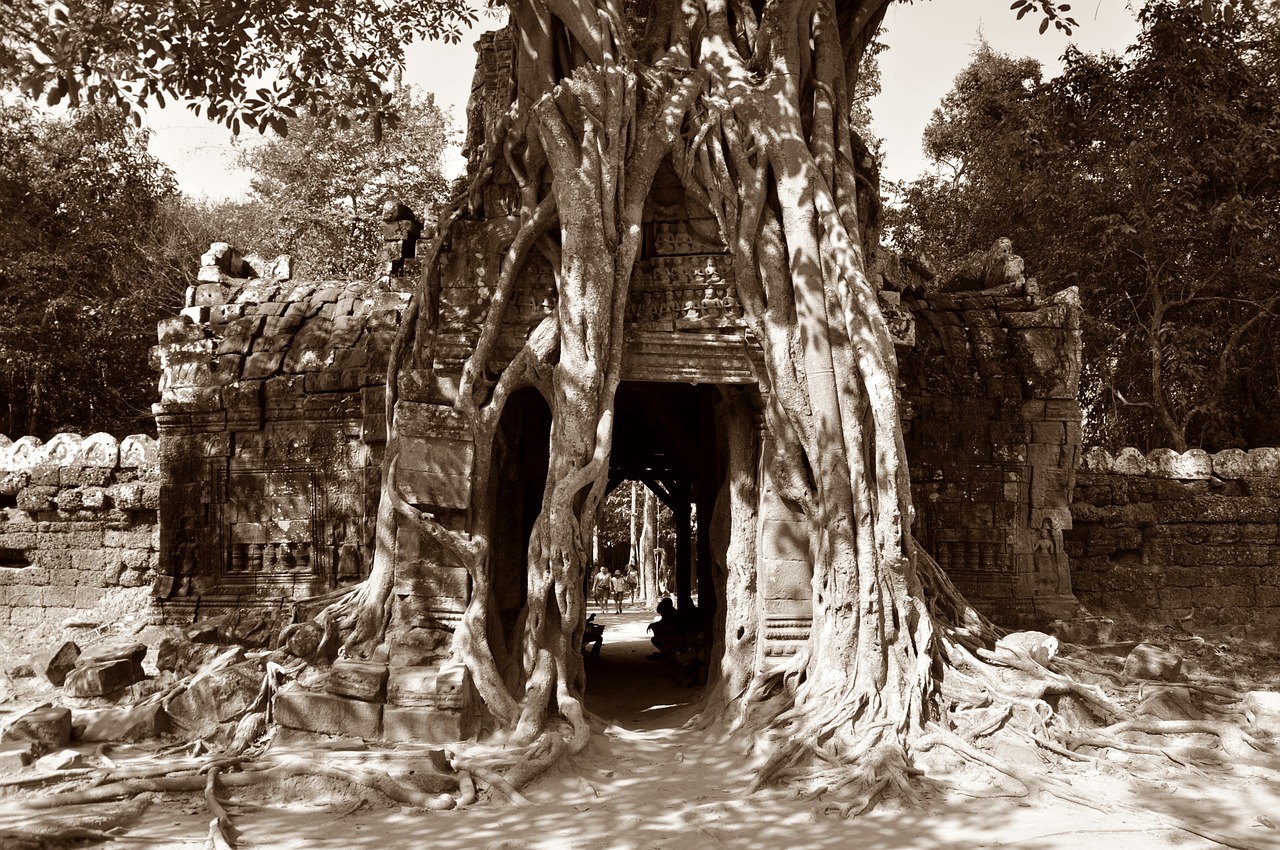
(126,723)
(15,755)
(66,759)
(57,662)
(217,697)
(422,724)
(1264,461)
(414,686)
(114,650)
(1263,710)
(1169,703)
(1152,662)
(1231,464)
(48,727)
(361,680)
(182,656)
(328,714)
(95,679)
(1084,630)
(100,450)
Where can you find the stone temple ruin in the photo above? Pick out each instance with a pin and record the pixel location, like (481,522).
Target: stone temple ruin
(272,435)
(265,482)
(272,432)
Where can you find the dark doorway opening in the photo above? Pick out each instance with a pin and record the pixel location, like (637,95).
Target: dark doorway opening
(665,437)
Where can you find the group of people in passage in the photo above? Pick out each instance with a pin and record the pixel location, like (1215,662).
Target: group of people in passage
(676,636)
(614,587)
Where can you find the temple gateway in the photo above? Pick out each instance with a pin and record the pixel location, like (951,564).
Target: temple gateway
(272,431)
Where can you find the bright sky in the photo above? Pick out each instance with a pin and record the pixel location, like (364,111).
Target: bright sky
(929,42)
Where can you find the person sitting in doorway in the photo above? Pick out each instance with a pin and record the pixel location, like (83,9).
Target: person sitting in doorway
(679,644)
(670,631)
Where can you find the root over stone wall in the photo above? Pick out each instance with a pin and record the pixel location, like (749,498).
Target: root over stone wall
(79,534)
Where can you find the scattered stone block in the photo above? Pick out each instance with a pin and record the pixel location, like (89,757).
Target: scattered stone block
(56,663)
(218,697)
(113,650)
(1084,630)
(1152,662)
(328,714)
(1040,646)
(205,631)
(1170,703)
(48,727)
(106,668)
(362,680)
(15,755)
(181,656)
(129,723)
(420,723)
(1263,710)
(66,759)
(103,678)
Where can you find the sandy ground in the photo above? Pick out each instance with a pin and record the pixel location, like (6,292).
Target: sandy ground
(647,782)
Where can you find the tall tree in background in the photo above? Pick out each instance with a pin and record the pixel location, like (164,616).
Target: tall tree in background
(88,266)
(317,189)
(1153,183)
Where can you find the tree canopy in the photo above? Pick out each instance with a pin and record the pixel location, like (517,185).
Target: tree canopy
(90,259)
(252,63)
(317,191)
(1152,181)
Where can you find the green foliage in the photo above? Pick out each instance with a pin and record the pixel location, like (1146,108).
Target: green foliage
(1153,183)
(89,260)
(253,62)
(319,190)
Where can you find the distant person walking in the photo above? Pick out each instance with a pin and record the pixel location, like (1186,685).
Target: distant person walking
(618,584)
(601,589)
(633,582)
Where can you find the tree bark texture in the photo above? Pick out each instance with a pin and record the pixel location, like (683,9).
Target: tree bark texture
(749,103)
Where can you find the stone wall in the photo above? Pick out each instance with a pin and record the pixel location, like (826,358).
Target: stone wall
(78,529)
(989,384)
(1167,536)
(272,426)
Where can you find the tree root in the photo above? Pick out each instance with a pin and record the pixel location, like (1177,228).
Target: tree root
(47,830)
(271,768)
(222,835)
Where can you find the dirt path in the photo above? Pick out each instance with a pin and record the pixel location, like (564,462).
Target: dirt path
(647,783)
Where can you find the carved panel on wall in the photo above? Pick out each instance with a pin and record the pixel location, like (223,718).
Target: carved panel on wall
(271,526)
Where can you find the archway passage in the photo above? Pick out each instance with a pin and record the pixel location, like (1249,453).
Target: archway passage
(665,437)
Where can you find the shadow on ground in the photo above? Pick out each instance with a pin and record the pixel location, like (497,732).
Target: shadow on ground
(647,782)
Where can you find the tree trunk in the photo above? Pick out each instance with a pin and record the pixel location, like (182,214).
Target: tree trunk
(751,106)
(648,551)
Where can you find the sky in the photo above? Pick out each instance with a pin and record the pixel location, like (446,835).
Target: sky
(929,41)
